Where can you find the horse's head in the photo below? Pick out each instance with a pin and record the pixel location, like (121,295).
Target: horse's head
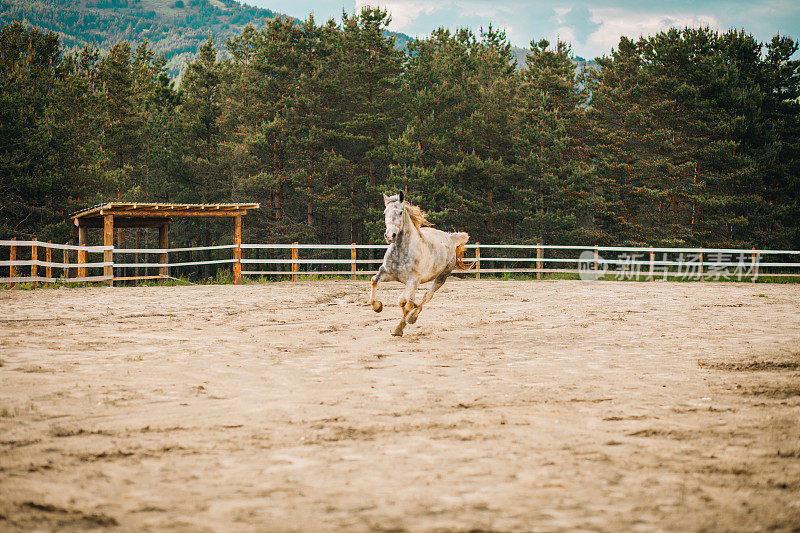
(393,215)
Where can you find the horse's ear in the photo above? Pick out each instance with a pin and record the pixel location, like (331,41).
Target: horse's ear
(385,199)
(402,197)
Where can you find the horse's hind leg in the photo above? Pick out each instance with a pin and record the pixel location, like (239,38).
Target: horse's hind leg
(376,305)
(438,282)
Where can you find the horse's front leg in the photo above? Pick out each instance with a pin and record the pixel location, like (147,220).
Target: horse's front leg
(376,305)
(407,304)
(438,282)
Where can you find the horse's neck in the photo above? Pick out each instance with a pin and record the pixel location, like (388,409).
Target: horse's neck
(408,234)
(409,230)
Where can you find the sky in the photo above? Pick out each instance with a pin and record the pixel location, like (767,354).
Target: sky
(592,28)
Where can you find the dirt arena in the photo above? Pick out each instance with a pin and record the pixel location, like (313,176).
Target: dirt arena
(509,406)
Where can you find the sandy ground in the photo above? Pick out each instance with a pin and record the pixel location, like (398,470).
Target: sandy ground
(509,406)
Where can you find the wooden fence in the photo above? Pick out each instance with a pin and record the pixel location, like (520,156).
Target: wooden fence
(296,260)
(72,272)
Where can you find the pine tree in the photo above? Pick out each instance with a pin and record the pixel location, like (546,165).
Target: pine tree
(457,92)
(205,178)
(551,195)
(367,88)
(50,158)
(776,149)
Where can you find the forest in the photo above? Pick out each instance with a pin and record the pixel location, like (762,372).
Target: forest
(688,137)
(174,28)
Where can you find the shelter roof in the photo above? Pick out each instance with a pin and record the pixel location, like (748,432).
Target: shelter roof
(159,211)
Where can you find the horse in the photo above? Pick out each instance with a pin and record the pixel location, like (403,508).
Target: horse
(417,254)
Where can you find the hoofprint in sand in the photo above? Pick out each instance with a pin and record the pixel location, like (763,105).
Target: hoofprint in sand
(508,406)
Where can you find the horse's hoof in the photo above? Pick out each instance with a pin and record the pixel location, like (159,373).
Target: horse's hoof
(377,306)
(398,332)
(412,317)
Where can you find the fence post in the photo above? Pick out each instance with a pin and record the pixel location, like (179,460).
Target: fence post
(596,261)
(66,261)
(353,261)
(295,257)
(137,245)
(478,260)
(34,266)
(652,265)
(702,274)
(754,268)
(12,255)
(48,256)
(163,243)
(81,252)
(108,255)
(237,250)
(538,261)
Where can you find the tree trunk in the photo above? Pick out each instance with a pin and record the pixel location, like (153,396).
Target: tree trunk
(279,205)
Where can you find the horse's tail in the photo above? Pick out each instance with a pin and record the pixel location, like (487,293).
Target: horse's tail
(461,239)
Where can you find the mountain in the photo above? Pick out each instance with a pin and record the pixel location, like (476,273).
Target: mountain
(521,53)
(174,28)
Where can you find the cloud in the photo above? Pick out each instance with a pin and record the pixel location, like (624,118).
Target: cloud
(566,34)
(580,21)
(403,12)
(614,23)
(411,16)
(593,28)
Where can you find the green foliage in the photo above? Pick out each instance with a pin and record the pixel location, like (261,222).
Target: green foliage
(688,137)
(51,160)
(174,29)
(686,144)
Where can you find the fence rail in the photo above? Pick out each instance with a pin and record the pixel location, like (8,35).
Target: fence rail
(590,262)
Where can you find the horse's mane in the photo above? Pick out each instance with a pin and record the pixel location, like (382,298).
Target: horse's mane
(418,216)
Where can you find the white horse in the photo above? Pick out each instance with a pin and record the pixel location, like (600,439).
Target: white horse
(416,254)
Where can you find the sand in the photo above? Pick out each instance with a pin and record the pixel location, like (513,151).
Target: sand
(509,406)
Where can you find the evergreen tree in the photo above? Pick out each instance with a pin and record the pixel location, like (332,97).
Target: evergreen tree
(50,159)
(552,197)
(456,92)
(365,108)
(686,137)
(205,178)
(777,147)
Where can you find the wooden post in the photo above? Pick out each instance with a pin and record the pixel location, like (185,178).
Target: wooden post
(48,256)
(538,261)
(652,265)
(137,245)
(353,261)
(478,260)
(34,266)
(108,255)
(121,271)
(753,267)
(237,250)
(702,274)
(81,253)
(163,243)
(295,257)
(12,255)
(66,261)
(596,260)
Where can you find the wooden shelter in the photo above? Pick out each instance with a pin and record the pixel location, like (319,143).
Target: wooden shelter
(155,215)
